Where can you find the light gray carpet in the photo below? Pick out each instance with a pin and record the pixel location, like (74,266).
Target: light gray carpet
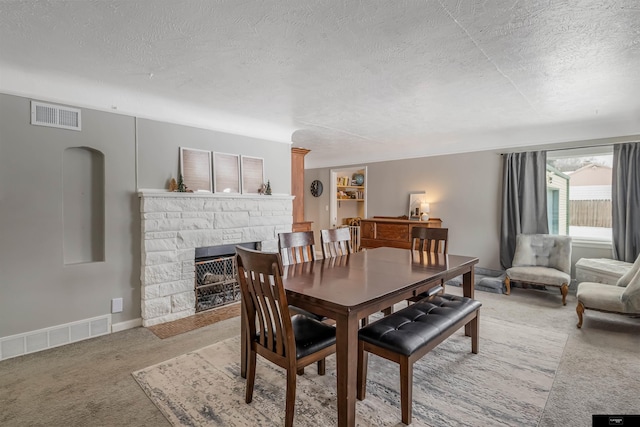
(89,383)
(507,383)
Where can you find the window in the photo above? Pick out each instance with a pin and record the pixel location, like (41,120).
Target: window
(579,192)
(553,210)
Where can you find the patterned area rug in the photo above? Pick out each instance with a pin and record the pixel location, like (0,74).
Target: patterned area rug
(507,383)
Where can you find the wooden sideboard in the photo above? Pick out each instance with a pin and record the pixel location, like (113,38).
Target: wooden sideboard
(394,233)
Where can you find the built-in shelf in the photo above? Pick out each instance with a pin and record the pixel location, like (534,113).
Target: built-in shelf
(349,186)
(353,190)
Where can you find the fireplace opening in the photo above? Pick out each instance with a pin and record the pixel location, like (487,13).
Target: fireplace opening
(216,278)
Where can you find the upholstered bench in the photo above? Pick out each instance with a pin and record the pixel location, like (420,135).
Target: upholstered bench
(600,270)
(407,335)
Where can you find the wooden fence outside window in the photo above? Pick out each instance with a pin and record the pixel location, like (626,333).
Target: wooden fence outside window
(590,213)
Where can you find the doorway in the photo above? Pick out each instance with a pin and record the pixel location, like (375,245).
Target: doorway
(348,194)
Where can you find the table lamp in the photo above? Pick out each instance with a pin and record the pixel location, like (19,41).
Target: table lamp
(424,208)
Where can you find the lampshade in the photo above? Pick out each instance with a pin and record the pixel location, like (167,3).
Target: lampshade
(424,207)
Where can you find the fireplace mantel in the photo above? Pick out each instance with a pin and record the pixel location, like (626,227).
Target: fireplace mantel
(174,224)
(146,192)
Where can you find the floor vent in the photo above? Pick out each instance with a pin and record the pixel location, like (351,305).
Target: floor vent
(31,342)
(56,116)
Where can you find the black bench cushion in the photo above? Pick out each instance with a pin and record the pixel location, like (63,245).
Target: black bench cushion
(407,330)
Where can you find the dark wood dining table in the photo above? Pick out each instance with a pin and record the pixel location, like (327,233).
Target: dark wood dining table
(354,286)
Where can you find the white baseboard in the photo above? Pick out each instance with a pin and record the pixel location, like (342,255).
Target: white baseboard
(54,336)
(129,324)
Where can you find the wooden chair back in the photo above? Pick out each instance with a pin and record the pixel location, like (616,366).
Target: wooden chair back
(296,247)
(265,303)
(430,242)
(336,242)
(269,329)
(430,239)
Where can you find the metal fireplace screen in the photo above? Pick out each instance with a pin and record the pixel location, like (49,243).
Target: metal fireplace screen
(216,283)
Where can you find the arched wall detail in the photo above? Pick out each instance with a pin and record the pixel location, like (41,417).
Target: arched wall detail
(83,205)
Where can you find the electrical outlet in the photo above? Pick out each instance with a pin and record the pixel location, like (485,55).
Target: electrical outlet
(116,305)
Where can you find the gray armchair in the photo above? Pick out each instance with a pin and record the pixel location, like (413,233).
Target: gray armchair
(541,259)
(624,298)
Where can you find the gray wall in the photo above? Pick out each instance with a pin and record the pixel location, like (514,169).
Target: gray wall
(464,190)
(37,289)
(158,148)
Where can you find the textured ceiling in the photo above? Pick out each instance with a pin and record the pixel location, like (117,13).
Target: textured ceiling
(353,81)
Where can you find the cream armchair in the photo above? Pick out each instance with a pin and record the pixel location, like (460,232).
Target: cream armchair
(624,298)
(541,259)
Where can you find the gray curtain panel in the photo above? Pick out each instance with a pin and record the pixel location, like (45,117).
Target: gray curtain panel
(524,200)
(625,200)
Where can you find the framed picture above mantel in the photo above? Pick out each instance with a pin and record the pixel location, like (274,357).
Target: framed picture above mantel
(252,174)
(226,173)
(195,167)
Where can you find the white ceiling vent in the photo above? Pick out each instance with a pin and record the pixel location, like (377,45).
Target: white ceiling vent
(56,116)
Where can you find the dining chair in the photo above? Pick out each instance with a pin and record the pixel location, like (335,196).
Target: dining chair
(335,242)
(291,342)
(430,240)
(296,247)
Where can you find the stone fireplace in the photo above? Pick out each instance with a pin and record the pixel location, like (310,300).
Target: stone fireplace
(216,281)
(175,224)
